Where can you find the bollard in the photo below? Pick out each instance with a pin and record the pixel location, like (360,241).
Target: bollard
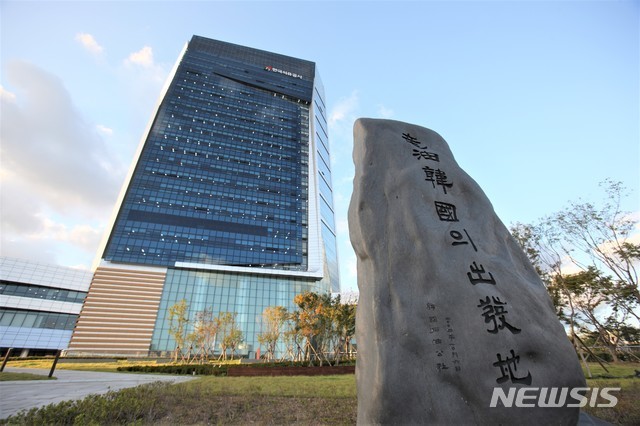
(6,358)
(55,361)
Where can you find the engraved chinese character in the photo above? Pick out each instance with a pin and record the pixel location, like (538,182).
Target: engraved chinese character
(441,366)
(437,177)
(459,239)
(493,312)
(433,319)
(425,155)
(477,275)
(509,367)
(434,330)
(411,139)
(430,306)
(446,212)
(436,341)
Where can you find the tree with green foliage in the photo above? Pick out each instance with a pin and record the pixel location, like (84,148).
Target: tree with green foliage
(602,235)
(587,291)
(588,261)
(344,315)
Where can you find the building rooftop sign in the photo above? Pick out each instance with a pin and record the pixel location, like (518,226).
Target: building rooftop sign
(278,70)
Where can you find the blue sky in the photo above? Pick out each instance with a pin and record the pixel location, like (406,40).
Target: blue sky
(538,100)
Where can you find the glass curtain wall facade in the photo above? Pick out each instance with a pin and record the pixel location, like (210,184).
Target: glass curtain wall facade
(231,192)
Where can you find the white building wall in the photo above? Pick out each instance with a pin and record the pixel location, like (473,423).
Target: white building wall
(24,271)
(52,276)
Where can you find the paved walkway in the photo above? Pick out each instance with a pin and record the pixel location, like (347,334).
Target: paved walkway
(70,385)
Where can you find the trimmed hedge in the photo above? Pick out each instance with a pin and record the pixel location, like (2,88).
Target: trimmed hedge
(213,369)
(291,371)
(185,369)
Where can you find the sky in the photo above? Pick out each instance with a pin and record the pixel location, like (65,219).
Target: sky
(538,100)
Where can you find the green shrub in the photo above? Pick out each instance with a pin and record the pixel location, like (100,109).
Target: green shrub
(184,369)
(127,406)
(209,369)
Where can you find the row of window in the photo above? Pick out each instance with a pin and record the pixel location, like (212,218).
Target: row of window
(9,288)
(240,182)
(202,191)
(269,108)
(126,251)
(218,139)
(35,319)
(227,219)
(221,206)
(258,170)
(197,107)
(217,134)
(218,166)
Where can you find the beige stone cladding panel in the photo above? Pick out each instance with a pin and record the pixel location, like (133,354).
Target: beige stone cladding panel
(119,313)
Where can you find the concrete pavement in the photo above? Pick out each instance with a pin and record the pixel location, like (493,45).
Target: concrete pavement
(70,385)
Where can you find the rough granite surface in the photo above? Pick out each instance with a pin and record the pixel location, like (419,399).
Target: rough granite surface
(450,307)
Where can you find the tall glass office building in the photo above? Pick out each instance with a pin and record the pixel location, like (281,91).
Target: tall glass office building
(228,204)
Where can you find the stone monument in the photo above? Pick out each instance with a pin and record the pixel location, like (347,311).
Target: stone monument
(452,318)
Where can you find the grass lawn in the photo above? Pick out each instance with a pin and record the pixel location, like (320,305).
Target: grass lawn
(7,377)
(627,411)
(272,400)
(86,366)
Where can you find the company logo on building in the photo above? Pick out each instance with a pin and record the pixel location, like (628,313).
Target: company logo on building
(554,397)
(279,71)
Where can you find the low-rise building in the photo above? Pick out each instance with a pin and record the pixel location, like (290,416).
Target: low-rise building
(39,305)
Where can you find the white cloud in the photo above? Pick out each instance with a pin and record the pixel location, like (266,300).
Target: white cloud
(143,58)
(55,165)
(104,130)
(344,109)
(143,80)
(50,147)
(89,43)
(82,236)
(385,112)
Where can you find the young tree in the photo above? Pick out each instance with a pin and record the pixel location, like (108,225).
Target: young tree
(293,340)
(311,320)
(586,259)
(345,323)
(273,320)
(529,238)
(178,321)
(587,292)
(231,334)
(205,330)
(602,234)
